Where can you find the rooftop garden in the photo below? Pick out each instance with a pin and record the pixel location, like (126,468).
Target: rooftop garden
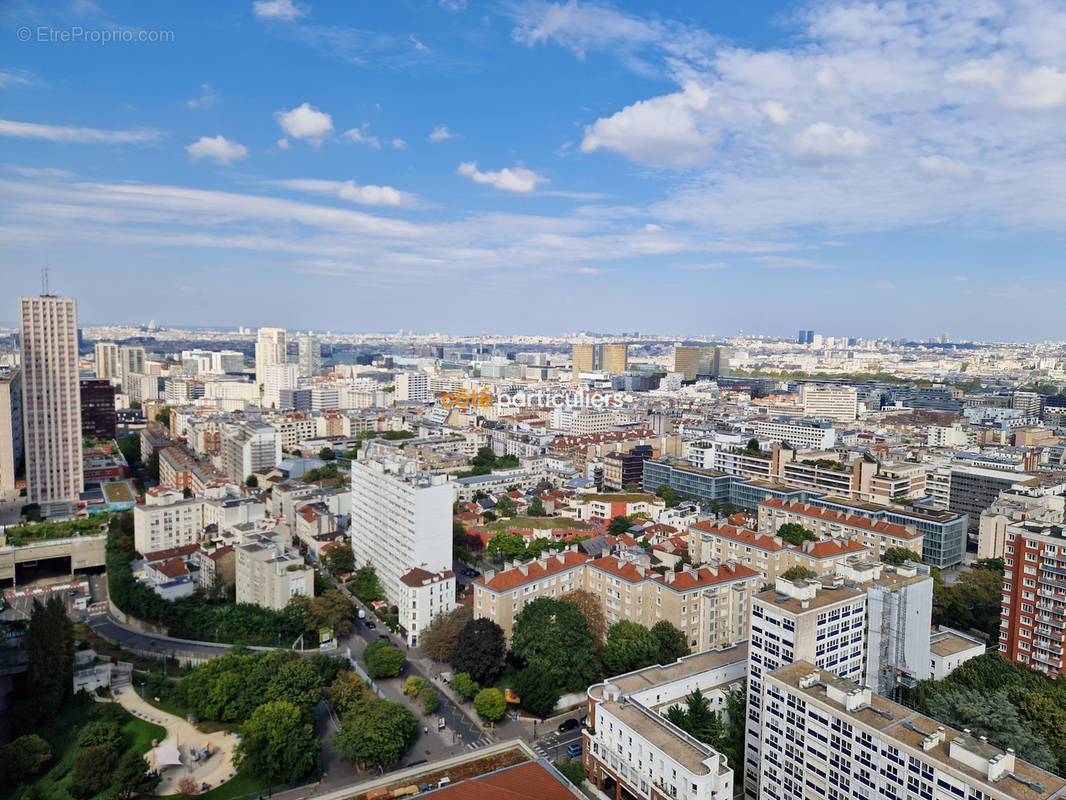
(34,532)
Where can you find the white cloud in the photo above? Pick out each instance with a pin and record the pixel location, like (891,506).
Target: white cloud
(63,133)
(17,77)
(775,111)
(418,45)
(960,278)
(942,167)
(398,144)
(285,10)
(668,130)
(351,191)
(283,143)
(511,179)
(589,271)
(1043,87)
(452,5)
(712,266)
(360,136)
(218,149)
(440,133)
(44,172)
(822,141)
(791,262)
(208,97)
(883,286)
(305,122)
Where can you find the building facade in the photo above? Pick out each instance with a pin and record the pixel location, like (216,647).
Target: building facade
(97,409)
(271,347)
(424,595)
(107,362)
(51,399)
(11,445)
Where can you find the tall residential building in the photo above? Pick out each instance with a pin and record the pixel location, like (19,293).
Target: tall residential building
(166,519)
(248,447)
(610,358)
(97,409)
(632,750)
(51,404)
(834,402)
(412,387)
(401,519)
(276,379)
(270,348)
(1033,615)
(702,360)
(130,363)
(11,447)
(107,363)
(310,355)
(269,576)
(223,361)
(975,489)
(828,737)
(423,595)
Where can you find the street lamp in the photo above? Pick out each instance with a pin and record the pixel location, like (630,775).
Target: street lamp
(142,690)
(164,663)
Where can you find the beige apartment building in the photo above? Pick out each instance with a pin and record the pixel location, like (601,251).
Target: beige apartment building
(833,402)
(107,363)
(269,576)
(826,523)
(769,555)
(10,430)
(612,358)
(708,604)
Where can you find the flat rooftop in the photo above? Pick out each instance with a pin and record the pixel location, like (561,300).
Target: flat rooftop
(689,665)
(826,596)
(948,643)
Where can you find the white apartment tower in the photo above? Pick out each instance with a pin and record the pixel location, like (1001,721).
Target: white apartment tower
(310,350)
(840,403)
(107,364)
(248,447)
(130,363)
(51,399)
(401,519)
(275,378)
(10,430)
(270,348)
(412,387)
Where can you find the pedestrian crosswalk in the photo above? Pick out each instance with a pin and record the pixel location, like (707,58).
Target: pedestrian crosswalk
(481,742)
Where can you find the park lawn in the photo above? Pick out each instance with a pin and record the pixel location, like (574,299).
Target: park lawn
(537,523)
(241,784)
(140,733)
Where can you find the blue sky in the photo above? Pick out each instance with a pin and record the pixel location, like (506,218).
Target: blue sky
(451,165)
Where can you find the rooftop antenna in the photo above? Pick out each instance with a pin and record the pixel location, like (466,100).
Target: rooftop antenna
(44,282)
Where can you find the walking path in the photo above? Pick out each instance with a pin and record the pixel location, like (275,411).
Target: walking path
(216,769)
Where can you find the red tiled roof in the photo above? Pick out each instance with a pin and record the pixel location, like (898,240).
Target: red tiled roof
(529,781)
(174,568)
(763,541)
(880,527)
(160,555)
(706,576)
(535,570)
(418,577)
(828,548)
(219,552)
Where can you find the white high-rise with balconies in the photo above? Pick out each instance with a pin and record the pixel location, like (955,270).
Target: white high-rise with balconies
(310,358)
(270,348)
(51,399)
(401,519)
(107,364)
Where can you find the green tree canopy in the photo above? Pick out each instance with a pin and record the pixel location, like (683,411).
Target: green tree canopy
(349,692)
(796,534)
(505,507)
(619,525)
(365,584)
(132,778)
(466,686)
(438,640)
(668,495)
(490,704)
(383,660)
(629,646)
(672,644)
(479,650)
(509,546)
(799,573)
(378,736)
(252,480)
(50,646)
(278,743)
(895,556)
(24,759)
(591,606)
(339,559)
(538,691)
(536,508)
(556,635)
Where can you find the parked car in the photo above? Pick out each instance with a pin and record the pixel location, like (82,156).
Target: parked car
(471,573)
(573,751)
(371,624)
(568,724)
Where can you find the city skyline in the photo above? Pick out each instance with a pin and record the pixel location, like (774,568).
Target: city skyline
(710,153)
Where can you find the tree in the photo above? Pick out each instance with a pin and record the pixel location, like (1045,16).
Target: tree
(163,415)
(505,507)
(278,744)
(619,525)
(490,704)
(672,644)
(25,758)
(430,700)
(466,686)
(753,445)
(252,481)
(339,559)
(629,646)
(538,691)
(974,601)
(92,771)
(479,650)
(592,607)
(573,771)
(704,723)
(50,646)
(796,534)
(186,493)
(331,609)
(536,508)
(557,635)
(151,466)
(327,454)
(131,778)
(130,445)
(377,737)
(102,734)
(383,660)
(668,495)
(365,584)
(895,556)
(187,788)
(349,692)
(438,640)
(509,546)
(799,574)
(297,682)
(414,685)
